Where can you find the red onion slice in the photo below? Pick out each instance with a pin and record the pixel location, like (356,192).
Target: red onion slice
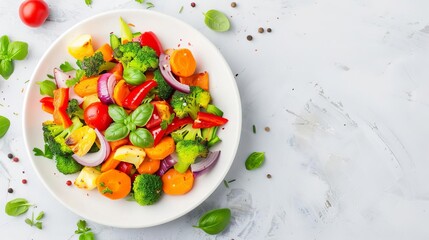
(105,85)
(95,159)
(60,78)
(164,66)
(166,164)
(206,163)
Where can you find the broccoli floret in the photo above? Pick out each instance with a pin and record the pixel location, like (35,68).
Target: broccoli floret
(91,65)
(189,104)
(55,136)
(132,55)
(73,109)
(187,151)
(147,189)
(164,89)
(67,165)
(187,133)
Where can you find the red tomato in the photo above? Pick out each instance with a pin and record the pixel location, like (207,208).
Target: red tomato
(33,12)
(96,115)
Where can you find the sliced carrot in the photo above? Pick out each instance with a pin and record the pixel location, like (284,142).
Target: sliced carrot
(107,52)
(182,62)
(117,70)
(120,92)
(149,166)
(119,143)
(114,184)
(110,163)
(175,183)
(86,87)
(164,148)
(200,79)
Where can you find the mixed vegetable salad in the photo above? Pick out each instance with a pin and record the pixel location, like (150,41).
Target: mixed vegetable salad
(135,119)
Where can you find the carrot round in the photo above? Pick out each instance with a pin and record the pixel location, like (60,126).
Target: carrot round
(175,183)
(200,79)
(164,148)
(149,166)
(182,62)
(120,92)
(114,184)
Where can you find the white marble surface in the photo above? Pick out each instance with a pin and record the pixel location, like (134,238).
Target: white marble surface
(343,86)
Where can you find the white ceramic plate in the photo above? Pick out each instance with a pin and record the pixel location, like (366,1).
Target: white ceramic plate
(121,213)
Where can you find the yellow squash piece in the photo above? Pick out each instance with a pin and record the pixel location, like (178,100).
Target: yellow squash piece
(87,178)
(81,140)
(130,154)
(81,47)
(87,100)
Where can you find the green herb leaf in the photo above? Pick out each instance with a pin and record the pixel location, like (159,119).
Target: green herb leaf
(47,87)
(226,183)
(50,76)
(255,160)
(133,76)
(73,81)
(142,114)
(149,5)
(17,50)
(6,68)
(38,225)
(215,221)
(117,113)
(181,9)
(216,21)
(66,67)
(4,125)
(87,236)
(29,221)
(140,1)
(4,44)
(107,190)
(254,128)
(141,137)
(88,2)
(40,216)
(17,207)
(38,152)
(116,131)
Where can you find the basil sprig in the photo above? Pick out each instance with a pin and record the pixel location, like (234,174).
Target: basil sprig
(215,221)
(10,51)
(132,124)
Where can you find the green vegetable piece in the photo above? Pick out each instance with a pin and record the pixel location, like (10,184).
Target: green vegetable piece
(88,2)
(117,113)
(114,41)
(47,87)
(126,34)
(141,137)
(87,236)
(4,125)
(47,153)
(38,225)
(140,1)
(17,50)
(6,68)
(66,67)
(17,206)
(214,110)
(4,44)
(255,160)
(40,216)
(84,231)
(116,131)
(133,76)
(142,114)
(147,189)
(215,221)
(216,21)
(73,81)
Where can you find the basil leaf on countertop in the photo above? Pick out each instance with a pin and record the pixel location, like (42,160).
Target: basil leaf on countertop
(215,221)
(4,125)
(4,44)
(216,21)
(255,160)
(17,206)
(17,50)
(6,68)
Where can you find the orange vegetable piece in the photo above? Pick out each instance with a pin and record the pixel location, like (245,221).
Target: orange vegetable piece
(200,79)
(86,87)
(120,92)
(175,183)
(149,166)
(117,70)
(114,184)
(110,162)
(107,52)
(164,148)
(182,62)
(149,75)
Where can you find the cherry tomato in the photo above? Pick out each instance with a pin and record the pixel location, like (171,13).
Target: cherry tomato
(175,183)
(33,12)
(96,115)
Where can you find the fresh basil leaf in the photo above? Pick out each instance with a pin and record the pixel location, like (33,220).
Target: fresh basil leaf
(6,68)
(87,236)
(141,137)
(216,21)
(4,43)
(39,225)
(133,76)
(47,87)
(17,207)
(116,131)
(29,221)
(215,221)
(81,227)
(140,1)
(117,113)
(4,125)
(40,216)
(50,76)
(66,67)
(255,160)
(17,50)
(88,2)
(142,114)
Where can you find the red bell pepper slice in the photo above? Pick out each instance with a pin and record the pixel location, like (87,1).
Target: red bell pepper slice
(206,120)
(178,123)
(136,96)
(149,39)
(155,120)
(60,103)
(125,167)
(47,104)
(157,133)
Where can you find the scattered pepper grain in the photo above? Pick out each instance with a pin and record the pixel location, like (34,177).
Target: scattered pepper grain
(193,4)
(15,159)
(24,181)
(269,30)
(10,155)
(10,190)
(69,183)
(233,4)
(267,129)
(268,176)
(260,30)
(249,37)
